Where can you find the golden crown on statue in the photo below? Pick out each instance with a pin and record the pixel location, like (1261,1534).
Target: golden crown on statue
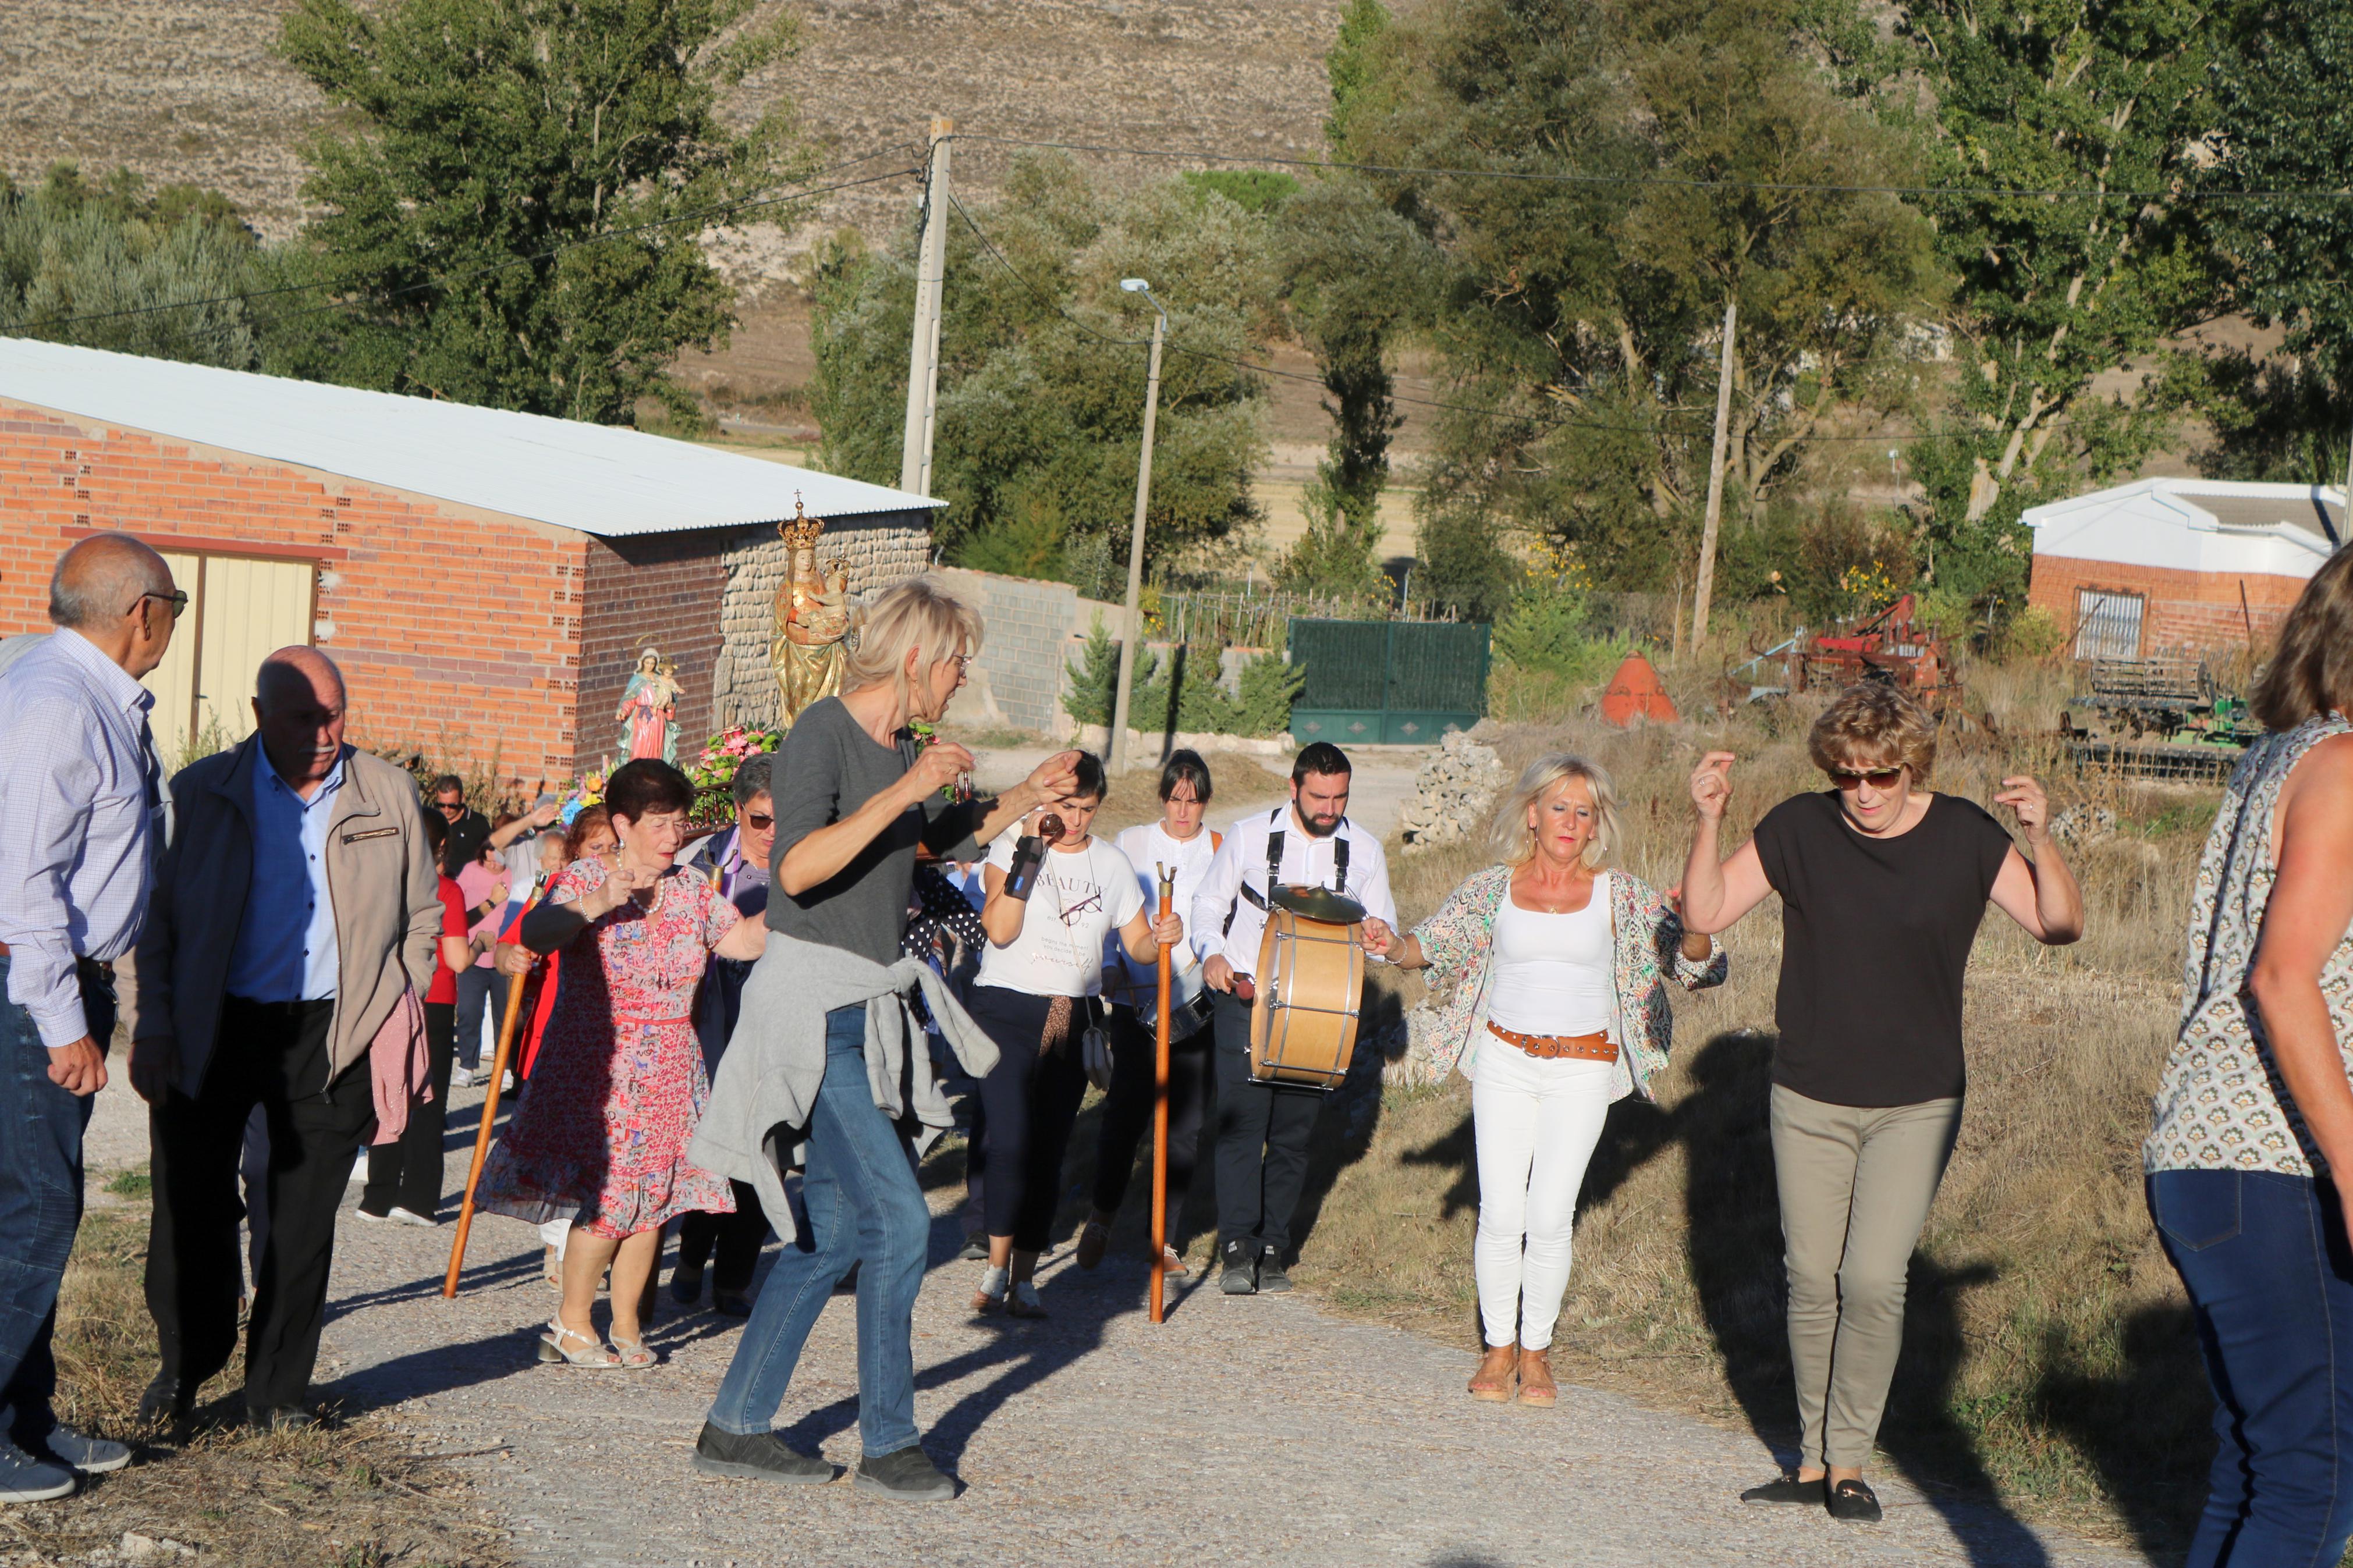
(802,532)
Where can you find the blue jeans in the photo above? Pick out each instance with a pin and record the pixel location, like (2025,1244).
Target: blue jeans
(40,1202)
(2269,1278)
(866,1207)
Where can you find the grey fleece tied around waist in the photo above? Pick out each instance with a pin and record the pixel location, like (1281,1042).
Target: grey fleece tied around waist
(768,1081)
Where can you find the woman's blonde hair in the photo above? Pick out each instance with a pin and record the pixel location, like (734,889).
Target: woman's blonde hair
(917,613)
(1510,838)
(2311,671)
(1871,721)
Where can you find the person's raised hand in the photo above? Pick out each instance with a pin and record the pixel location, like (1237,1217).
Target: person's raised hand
(546,815)
(1710,785)
(1056,778)
(937,767)
(154,1063)
(2024,796)
(1218,975)
(78,1067)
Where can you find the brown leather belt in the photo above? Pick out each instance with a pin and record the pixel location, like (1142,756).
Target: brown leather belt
(1595,1047)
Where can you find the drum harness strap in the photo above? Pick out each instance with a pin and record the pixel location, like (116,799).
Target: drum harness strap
(1274,843)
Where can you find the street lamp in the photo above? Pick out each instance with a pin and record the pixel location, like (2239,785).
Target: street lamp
(1117,758)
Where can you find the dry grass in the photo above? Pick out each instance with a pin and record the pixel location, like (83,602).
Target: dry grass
(345,1495)
(2048,1357)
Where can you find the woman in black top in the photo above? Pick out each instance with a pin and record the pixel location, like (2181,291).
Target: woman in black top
(1882,887)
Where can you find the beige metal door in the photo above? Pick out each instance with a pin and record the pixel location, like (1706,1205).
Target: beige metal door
(173,681)
(251,610)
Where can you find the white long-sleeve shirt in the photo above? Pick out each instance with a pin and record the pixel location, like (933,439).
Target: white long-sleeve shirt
(83,804)
(1305,860)
(1147,846)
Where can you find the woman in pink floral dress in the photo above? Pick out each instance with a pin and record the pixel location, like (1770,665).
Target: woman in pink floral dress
(620,1082)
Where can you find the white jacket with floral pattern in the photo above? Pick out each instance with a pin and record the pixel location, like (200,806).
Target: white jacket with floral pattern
(1647,938)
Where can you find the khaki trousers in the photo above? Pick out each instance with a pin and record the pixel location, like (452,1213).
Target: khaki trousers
(1855,1185)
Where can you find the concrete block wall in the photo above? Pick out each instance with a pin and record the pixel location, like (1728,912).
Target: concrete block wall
(456,633)
(878,551)
(1028,626)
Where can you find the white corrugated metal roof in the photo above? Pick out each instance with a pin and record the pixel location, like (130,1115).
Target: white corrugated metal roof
(594,477)
(2195,525)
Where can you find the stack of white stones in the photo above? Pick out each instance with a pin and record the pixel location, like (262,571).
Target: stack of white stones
(1453,793)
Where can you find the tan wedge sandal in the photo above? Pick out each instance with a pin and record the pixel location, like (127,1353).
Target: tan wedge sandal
(1537,1387)
(1498,1368)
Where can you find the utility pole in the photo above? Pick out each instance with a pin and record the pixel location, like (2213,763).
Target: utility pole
(923,352)
(1133,638)
(1705,589)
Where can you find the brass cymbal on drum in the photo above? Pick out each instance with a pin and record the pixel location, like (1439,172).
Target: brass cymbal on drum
(1317,904)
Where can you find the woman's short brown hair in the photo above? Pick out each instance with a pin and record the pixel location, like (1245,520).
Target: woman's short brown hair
(584,827)
(2311,671)
(1873,722)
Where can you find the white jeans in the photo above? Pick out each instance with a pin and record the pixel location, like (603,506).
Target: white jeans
(1535,1122)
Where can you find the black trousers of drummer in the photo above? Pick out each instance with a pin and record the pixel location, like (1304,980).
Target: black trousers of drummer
(1262,1134)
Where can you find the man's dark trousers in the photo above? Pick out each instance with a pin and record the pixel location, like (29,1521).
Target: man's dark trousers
(1263,1133)
(273,1055)
(40,1202)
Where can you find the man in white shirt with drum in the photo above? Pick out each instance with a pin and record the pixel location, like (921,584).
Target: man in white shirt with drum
(1263,1126)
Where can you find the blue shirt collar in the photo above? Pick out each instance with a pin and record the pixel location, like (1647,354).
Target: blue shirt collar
(266,774)
(111,677)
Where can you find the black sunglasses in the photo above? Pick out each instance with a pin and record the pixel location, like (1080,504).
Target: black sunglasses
(177,599)
(1877,778)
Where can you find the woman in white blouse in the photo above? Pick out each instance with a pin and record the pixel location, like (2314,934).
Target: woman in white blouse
(1052,904)
(1558,1009)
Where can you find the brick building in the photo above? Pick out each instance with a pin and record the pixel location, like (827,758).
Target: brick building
(485,579)
(2177,565)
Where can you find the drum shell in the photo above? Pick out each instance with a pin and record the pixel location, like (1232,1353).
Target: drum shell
(1311,987)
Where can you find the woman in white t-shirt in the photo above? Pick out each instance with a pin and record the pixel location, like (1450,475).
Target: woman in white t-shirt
(1050,907)
(1180,842)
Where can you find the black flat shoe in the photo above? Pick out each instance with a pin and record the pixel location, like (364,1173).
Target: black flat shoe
(1788,1488)
(731,1303)
(1854,1502)
(685,1285)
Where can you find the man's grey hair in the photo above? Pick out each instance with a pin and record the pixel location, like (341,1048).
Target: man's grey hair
(101,579)
(751,776)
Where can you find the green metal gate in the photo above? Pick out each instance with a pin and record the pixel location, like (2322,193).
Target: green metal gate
(1387,682)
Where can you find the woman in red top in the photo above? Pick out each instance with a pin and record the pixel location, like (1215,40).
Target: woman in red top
(404,1179)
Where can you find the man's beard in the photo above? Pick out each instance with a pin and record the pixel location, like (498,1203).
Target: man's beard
(1320,826)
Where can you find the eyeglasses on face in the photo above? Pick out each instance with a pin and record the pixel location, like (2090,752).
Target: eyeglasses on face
(1877,778)
(758,821)
(177,599)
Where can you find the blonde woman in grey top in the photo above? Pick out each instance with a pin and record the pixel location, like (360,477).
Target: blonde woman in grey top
(2255,1109)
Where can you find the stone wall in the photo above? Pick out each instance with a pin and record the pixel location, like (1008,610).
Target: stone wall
(879,549)
(1023,656)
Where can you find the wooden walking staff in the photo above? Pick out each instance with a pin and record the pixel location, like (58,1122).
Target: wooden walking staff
(1160,1112)
(482,1133)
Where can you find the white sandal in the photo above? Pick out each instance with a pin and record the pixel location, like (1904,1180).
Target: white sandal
(597,1357)
(633,1354)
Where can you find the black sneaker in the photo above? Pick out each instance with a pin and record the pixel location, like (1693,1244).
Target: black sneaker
(1241,1274)
(1854,1502)
(757,1455)
(1273,1279)
(685,1285)
(1786,1488)
(907,1474)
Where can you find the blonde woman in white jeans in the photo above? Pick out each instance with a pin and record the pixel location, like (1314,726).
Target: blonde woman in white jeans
(1558,971)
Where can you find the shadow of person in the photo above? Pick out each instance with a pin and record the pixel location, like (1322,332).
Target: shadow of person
(1351,1113)
(2148,1429)
(1734,1255)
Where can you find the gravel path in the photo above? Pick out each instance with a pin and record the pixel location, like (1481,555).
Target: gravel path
(1255,1430)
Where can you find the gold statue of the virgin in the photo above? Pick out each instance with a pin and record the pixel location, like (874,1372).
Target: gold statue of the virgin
(812,619)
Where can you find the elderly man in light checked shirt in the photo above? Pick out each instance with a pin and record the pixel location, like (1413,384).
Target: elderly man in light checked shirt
(81,795)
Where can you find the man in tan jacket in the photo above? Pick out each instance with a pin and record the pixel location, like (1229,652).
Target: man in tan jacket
(293,906)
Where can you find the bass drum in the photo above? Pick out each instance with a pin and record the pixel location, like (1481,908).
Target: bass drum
(1311,982)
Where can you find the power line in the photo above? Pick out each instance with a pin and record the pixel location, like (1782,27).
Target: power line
(703,216)
(1683,181)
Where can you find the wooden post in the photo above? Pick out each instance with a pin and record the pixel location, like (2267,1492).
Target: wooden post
(1160,1113)
(482,1135)
(931,293)
(1704,595)
(1115,756)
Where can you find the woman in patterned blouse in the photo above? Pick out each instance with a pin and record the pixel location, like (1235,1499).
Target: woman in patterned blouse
(1558,967)
(2254,1111)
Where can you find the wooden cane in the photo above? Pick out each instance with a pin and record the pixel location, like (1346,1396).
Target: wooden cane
(1160,1113)
(482,1133)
